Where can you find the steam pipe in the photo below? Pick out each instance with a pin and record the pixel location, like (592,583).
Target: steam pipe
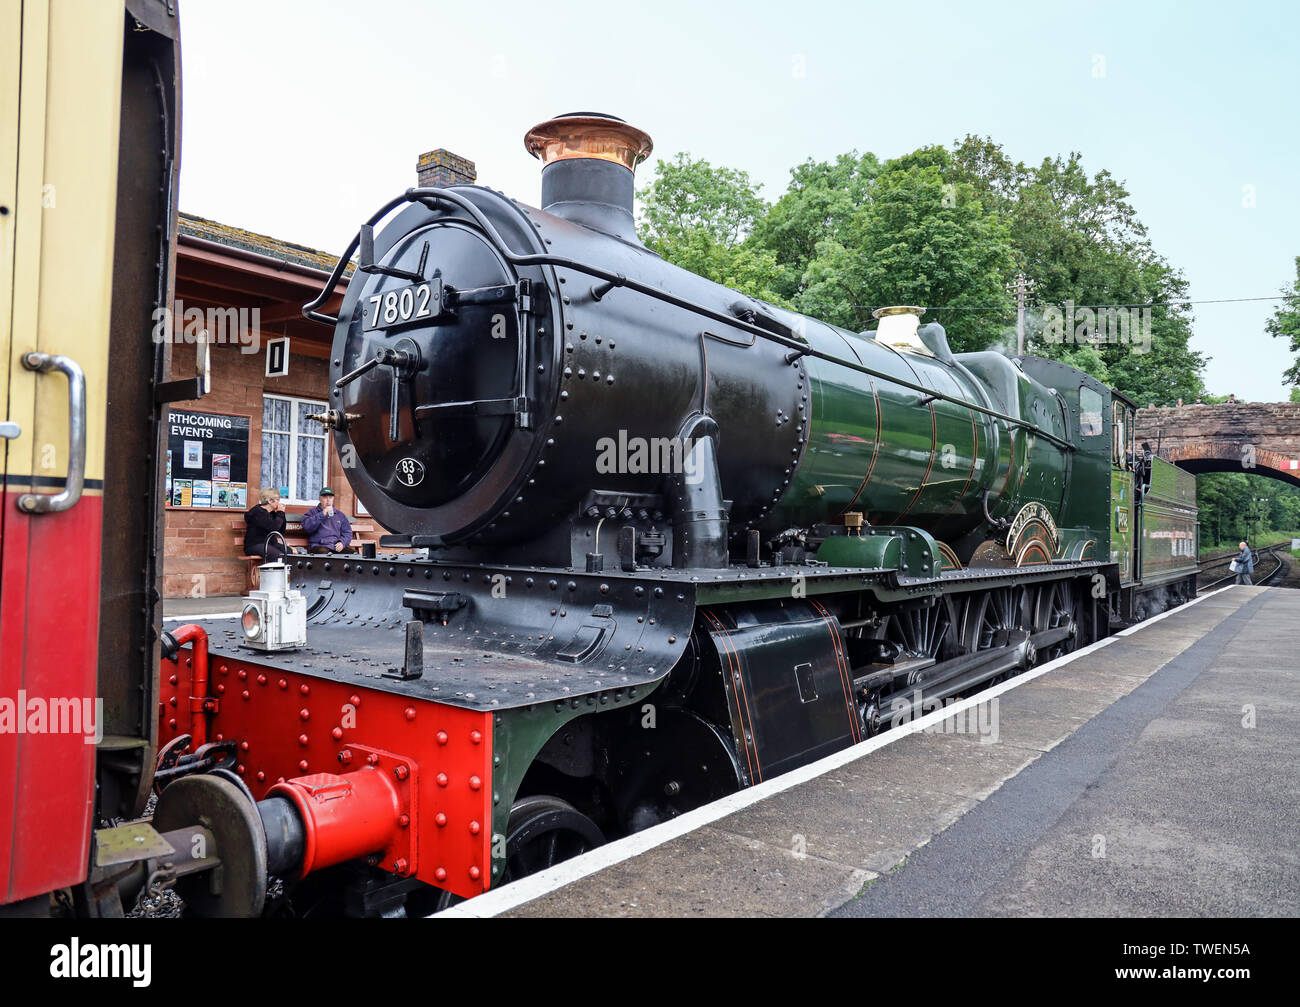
(172,643)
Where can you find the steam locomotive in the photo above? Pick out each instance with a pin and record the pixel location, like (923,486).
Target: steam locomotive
(653,541)
(658,540)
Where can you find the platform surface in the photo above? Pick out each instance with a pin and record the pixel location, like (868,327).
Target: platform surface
(1156,776)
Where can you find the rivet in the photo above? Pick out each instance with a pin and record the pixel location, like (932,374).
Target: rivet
(303,739)
(260,776)
(261,680)
(354,700)
(304,714)
(442,779)
(476,737)
(474,873)
(401,772)
(243,672)
(336,733)
(303,765)
(243,746)
(283,684)
(403,821)
(245,694)
(305,689)
(440,819)
(474,828)
(440,874)
(410,713)
(475,783)
(442,737)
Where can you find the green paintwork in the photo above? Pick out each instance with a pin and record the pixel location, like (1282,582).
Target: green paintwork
(909,550)
(519,734)
(879,447)
(1169,525)
(1122,523)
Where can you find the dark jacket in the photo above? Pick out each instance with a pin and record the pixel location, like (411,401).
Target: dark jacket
(1245,561)
(325,531)
(261,523)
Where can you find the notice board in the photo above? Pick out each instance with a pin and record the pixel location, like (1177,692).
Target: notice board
(207,460)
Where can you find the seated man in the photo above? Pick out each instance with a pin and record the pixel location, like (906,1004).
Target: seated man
(327,530)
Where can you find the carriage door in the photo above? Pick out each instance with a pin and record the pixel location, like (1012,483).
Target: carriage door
(60,80)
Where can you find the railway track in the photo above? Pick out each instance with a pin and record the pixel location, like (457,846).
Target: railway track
(1271,552)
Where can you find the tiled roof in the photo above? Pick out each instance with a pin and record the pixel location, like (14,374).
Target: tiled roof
(251,241)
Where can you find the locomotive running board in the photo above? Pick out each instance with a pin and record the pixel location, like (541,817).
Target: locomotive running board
(493,638)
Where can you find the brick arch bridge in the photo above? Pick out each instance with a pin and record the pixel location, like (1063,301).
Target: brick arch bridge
(1258,438)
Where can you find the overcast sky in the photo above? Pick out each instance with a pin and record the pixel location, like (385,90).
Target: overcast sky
(301,116)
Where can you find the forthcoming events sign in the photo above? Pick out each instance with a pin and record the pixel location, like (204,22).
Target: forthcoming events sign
(207,460)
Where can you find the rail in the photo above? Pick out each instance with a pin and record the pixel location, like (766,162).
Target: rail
(1270,551)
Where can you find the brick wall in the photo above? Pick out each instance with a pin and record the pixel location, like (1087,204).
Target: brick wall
(200,556)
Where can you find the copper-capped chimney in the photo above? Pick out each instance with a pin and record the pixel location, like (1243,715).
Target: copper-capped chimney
(589,160)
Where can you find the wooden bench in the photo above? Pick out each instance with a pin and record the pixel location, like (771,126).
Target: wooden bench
(294,538)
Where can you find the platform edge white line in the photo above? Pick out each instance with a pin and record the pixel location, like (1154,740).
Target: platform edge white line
(517,893)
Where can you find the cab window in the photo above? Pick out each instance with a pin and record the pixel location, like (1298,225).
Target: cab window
(1090,409)
(1119,435)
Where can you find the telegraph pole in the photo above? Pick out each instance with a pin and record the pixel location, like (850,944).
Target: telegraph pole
(1021,287)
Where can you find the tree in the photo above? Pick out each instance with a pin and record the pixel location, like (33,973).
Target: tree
(698,217)
(1079,239)
(1285,324)
(818,206)
(917,240)
(945,228)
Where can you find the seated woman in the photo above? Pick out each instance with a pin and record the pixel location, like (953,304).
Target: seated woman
(264,519)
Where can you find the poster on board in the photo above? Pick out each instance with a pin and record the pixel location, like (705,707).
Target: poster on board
(207,448)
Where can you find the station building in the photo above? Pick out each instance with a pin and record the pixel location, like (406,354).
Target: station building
(269,374)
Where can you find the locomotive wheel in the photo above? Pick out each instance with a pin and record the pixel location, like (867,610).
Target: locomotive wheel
(1054,607)
(922,632)
(987,616)
(542,832)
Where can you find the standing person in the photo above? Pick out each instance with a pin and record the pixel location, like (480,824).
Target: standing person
(327,529)
(1245,561)
(264,519)
(1232,399)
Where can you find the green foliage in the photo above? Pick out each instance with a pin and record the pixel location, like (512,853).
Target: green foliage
(945,228)
(1230,507)
(1079,241)
(918,240)
(698,216)
(1285,324)
(819,205)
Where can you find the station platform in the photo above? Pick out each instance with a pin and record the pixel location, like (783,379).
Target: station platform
(1151,774)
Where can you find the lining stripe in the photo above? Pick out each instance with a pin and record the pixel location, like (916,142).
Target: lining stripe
(733,661)
(841,663)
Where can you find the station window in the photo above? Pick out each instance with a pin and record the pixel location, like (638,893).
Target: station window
(293,447)
(1090,408)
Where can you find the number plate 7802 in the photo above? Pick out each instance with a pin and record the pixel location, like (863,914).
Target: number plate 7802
(415,302)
